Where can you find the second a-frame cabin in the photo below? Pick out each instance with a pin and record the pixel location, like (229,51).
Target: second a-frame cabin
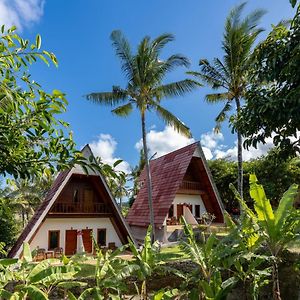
(182,185)
(77,207)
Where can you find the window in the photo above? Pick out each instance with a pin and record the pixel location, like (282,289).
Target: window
(197,211)
(191,207)
(101,237)
(53,239)
(171,211)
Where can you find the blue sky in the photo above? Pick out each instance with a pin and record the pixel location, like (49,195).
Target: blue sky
(78,32)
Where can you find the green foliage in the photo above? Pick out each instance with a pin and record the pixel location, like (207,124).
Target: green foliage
(8,226)
(207,278)
(272,107)
(275,229)
(34,281)
(147,261)
(33,140)
(276,175)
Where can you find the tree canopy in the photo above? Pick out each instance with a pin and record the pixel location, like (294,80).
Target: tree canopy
(32,139)
(273,101)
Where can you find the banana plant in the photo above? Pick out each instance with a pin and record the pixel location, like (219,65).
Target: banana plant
(110,274)
(237,252)
(35,281)
(207,277)
(147,261)
(275,228)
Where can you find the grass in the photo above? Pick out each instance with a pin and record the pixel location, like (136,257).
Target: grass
(172,253)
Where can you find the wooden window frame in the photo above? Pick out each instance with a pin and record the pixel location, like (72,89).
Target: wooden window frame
(102,229)
(58,239)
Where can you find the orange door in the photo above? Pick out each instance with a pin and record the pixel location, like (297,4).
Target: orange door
(87,240)
(71,242)
(179,210)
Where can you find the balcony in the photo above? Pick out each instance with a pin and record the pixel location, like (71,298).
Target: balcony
(79,208)
(190,187)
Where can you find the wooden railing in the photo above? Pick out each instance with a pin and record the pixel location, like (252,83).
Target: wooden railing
(93,208)
(190,185)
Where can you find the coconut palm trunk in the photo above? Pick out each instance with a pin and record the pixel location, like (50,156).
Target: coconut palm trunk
(240,151)
(145,72)
(148,174)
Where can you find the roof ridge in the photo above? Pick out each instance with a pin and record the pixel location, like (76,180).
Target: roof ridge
(197,142)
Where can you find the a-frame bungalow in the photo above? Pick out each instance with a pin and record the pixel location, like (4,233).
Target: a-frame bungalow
(182,185)
(77,207)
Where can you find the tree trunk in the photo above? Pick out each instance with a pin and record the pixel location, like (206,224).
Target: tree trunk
(275,278)
(149,181)
(240,152)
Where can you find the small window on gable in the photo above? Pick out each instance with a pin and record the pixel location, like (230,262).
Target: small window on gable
(171,211)
(53,239)
(101,237)
(197,211)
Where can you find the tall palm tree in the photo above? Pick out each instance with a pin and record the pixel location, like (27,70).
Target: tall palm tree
(230,75)
(145,72)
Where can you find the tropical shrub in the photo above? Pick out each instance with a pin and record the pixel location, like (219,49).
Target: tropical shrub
(273,228)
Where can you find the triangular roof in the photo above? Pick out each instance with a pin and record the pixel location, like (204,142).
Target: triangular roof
(167,173)
(59,183)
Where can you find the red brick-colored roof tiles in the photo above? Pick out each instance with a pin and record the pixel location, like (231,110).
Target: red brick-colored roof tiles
(167,173)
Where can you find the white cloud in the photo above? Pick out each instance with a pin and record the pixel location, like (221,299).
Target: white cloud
(212,142)
(105,147)
(165,141)
(20,12)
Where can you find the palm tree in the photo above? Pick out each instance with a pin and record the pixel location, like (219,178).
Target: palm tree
(145,72)
(231,74)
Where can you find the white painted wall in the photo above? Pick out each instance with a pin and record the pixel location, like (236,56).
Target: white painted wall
(41,238)
(189,199)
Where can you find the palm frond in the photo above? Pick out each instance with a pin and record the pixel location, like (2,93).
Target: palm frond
(124,110)
(222,116)
(123,51)
(175,89)
(171,120)
(217,97)
(115,97)
(160,42)
(214,81)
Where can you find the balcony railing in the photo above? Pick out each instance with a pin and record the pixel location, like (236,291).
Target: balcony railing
(93,208)
(190,185)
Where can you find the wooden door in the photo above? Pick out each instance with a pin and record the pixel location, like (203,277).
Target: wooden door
(87,240)
(71,242)
(179,210)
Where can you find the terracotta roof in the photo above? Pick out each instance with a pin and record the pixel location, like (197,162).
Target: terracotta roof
(55,186)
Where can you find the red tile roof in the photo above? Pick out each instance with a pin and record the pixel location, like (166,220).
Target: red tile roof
(167,173)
